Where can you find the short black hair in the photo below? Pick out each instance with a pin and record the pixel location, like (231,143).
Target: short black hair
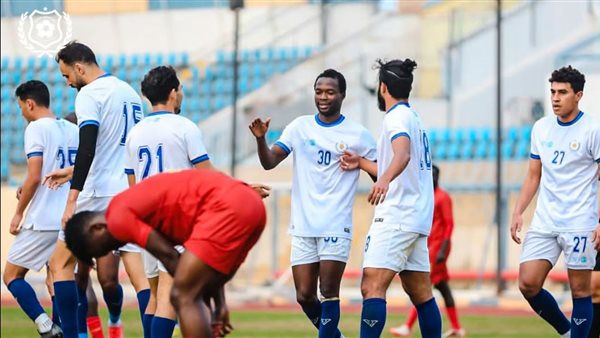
(397,76)
(34,90)
(570,75)
(76,52)
(158,83)
(75,236)
(333,74)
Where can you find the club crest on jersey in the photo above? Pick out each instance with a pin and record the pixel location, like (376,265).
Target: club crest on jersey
(341,146)
(574,145)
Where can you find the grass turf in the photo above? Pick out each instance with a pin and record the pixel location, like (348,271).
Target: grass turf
(289,324)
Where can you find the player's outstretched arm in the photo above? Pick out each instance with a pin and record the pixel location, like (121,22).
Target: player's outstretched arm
(401,148)
(58,177)
(530,187)
(164,251)
(32,182)
(263,190)
(269,158)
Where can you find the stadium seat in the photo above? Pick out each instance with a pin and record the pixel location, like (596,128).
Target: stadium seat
(18,64)
(306,52)
(6,93)
(453,151)
(43,62)
(5,79)
(122,61)
(507,149)
(108,63)
(31,62)
(440,152)
(522,149)
(5,62)
(466,150)
(134,60)
(433,136)
(147,59)
(511,134)
(172,59)
(185,58)
(525,133)
(29,75)
(480,150)
(57,78)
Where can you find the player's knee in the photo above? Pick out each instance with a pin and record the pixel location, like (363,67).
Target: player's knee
(529,288)
(178,297)
(8,277)
(305,298)
(109,285)
(372,290)
(329,291)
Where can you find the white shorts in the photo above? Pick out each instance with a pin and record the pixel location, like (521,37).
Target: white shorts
(389,247)
(308,250)
(32,249)
(578,248)
(91,203)
(152,265)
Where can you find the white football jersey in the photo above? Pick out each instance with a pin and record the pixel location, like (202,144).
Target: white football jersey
(568,192)
(323,193)
(409,200)
(56,140)
(114,107)
(161,142)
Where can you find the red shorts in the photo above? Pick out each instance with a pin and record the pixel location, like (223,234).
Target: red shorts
(439,271)
(228,228)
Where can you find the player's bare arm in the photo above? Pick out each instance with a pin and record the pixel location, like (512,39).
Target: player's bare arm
(32,182)
(164,251)
(401,148)
(351,161)
(269,158)
(58,177)
(530,187)
(131,180)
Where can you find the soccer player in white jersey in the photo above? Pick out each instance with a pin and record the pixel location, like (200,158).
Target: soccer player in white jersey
(403,199)
(564,165)
(322,196)
(163,141)
(48,143)
(106,108)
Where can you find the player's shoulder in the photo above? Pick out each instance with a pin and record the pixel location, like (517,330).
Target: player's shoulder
(543,122)
(590,121)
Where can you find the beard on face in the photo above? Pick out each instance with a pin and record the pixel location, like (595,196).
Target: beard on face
(380,101)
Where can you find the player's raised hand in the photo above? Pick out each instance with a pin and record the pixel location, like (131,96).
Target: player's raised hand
(516,225)
(378,192)
(261,189)
(15,224)
(596,238)
(259,128)
(349,161)
(57,178)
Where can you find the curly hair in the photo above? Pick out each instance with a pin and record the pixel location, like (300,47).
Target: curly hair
(570,75)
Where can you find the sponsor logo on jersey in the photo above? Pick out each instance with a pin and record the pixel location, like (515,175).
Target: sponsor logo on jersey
(378,220)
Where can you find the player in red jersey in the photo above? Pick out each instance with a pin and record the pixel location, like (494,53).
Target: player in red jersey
(439,249)
(216,218)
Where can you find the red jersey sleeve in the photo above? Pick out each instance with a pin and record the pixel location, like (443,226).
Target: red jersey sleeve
(126,213)
(447,216)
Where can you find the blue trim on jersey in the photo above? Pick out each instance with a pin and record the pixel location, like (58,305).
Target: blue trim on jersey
(400,134)
(598,160)
(329,124)
(398,104)
(566,124)
(534,156)
(35,153)
(88,122)
(284,147)
(129,172)
(200,159)
(158,113)
(104,75)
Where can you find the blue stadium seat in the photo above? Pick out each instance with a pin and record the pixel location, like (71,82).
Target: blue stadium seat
(134,60)
(257,70)
(440,151)
(4,167)
(219,87)
(172,59)
(522,150)
(58,92)
(219,103)
(5,62)
(195,74)
(109,63)
(185,59)
(492,150)
(525,133)
(472,135)
(466,150)
(293,54)
(6,93)
(209,73)
(18,64)
(507,149)
(121,73)
(243,85)
(57,78)
(453,151)
(256,83)
(147,59)
(122,61)
(244,71)
(43,62)
(44,76)
(457,135)
(220,56)
(306,52)
(245,57)
(31,62)
(433,136)
(159,60)
(480,150)
(29,75)
(194,105)
(512,134)
(486,135)
(5,79)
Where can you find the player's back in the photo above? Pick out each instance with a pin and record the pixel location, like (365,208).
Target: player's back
(409,200)
(56,141)
(161,142)
(114,107)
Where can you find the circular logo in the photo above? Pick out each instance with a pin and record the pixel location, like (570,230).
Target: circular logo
(574,145)
(341,146)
